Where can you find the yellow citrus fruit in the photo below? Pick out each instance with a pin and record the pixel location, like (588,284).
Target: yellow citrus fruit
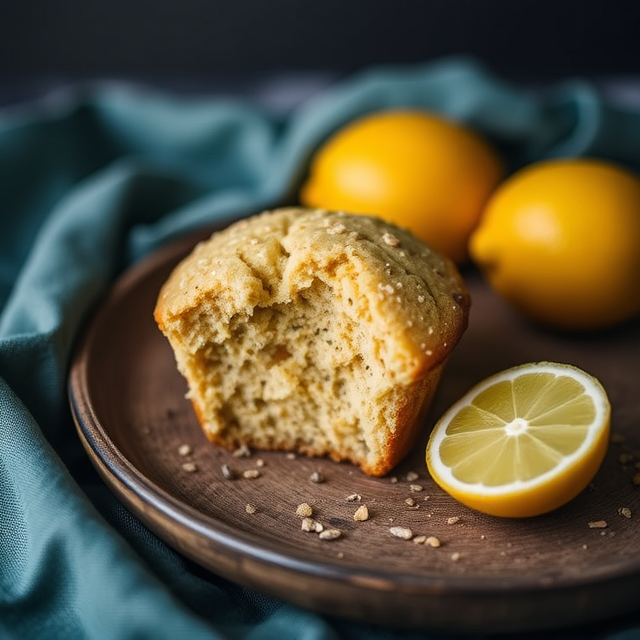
(560,240)
(410,167)
(523,442)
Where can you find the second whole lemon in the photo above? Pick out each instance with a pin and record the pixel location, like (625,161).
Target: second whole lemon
(560,241)
(411,167)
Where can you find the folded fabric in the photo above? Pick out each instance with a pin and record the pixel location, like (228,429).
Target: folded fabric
(91,180)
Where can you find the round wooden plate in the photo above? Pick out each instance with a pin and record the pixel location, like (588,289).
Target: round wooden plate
(487,575)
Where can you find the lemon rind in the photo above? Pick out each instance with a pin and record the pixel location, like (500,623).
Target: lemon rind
(598,429)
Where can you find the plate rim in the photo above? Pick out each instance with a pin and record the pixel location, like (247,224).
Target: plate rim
(116,467)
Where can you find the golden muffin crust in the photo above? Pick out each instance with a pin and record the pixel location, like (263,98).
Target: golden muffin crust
(312,331)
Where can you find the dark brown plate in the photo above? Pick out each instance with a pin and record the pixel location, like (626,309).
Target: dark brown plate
(488,575)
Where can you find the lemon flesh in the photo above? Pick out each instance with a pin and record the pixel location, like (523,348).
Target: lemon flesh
(523,442)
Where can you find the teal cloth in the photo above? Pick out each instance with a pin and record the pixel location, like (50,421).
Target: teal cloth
(93,179)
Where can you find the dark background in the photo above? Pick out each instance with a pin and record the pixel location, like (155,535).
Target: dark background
(203,41)
(202,37)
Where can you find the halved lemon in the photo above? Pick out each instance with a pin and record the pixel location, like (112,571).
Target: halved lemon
(524,441)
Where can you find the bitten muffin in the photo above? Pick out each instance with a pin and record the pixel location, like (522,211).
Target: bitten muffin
(318,332)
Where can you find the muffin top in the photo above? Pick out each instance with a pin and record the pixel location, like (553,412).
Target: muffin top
(407,297)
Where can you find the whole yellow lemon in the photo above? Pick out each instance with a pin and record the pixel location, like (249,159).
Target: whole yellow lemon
(412,168)
(560,240)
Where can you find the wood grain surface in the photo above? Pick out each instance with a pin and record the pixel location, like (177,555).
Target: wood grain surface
(540,573)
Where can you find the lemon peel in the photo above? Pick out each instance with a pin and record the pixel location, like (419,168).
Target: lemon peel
(522,442)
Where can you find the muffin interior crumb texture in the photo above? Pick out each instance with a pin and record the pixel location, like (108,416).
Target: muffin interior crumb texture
(311,331)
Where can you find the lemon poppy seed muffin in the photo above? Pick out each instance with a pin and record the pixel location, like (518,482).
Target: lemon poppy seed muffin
(318,332)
